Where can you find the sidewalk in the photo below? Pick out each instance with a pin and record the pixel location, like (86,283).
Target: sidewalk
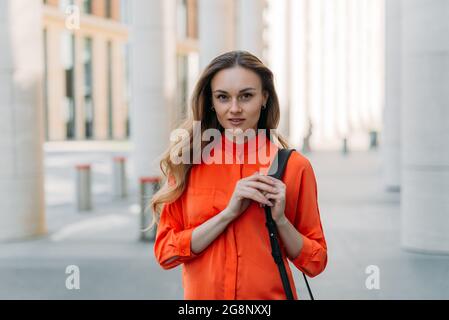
(360,220)
(362,227)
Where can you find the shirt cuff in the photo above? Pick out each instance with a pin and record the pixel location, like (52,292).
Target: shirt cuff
(306,252)
(184,244)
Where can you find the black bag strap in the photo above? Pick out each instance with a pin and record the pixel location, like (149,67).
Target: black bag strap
(281,160)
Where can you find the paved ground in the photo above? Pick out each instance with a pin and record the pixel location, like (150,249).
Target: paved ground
(360,219)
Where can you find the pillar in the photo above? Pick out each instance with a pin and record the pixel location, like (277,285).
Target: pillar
(153,81)
(22,203)
(391,142)
(216,22)
(250,16)
(425,126)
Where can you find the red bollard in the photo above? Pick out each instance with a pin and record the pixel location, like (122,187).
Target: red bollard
(119,187)
(83,187)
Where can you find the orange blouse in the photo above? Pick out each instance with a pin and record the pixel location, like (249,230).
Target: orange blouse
(238,264)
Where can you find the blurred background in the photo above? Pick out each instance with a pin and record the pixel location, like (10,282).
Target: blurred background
(90,91)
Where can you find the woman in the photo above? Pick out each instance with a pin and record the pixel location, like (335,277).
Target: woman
(210,214)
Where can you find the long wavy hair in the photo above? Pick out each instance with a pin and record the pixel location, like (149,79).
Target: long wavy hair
(175,176)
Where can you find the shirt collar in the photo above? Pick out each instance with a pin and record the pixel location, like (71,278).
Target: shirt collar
(256,148)
(253,143)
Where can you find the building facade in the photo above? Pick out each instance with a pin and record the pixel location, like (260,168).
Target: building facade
(327,58)
(187,57)
(85,70)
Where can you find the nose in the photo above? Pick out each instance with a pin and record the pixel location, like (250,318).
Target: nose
(235,108)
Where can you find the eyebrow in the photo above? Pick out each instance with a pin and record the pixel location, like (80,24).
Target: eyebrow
(243,90)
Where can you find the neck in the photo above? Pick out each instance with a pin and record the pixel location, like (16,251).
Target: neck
(242,136)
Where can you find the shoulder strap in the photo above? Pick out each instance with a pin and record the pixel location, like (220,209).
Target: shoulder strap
(281,160)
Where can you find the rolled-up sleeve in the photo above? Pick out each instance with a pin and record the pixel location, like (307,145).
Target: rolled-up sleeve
(312,259)
(172,243)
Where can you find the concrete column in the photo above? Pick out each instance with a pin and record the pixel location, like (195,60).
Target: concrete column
(377,64)
(391,142)
(250,16)
(153,81)
(22,205)
(299,85)
(216,22)
(425,126)
(279,56)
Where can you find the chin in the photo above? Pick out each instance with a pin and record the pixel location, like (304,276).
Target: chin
(237,129)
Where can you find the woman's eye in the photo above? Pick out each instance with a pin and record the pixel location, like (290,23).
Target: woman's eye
(221,97)
(247,96)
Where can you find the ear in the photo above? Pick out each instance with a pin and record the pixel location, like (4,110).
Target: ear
(266,95)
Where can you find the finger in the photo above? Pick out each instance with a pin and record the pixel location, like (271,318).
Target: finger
(261,186)
(276,196)
(279,185)
(262,178)
(256,195)
(260,197)
(279,191)
(264,202)
(276,180)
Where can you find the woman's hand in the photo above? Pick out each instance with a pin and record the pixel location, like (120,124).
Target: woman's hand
(250,188)
(278,199)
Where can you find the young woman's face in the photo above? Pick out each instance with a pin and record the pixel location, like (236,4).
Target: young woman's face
(238,98)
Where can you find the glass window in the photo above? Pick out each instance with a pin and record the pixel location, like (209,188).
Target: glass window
(183,93)
(110,99)
(108,9)
(87,6)
(187,74)
(88,89)
(127,87)
(68,103)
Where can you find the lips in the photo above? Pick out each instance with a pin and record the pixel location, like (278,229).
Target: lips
(236,121)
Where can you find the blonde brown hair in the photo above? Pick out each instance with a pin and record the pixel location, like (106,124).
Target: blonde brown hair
(175,176)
